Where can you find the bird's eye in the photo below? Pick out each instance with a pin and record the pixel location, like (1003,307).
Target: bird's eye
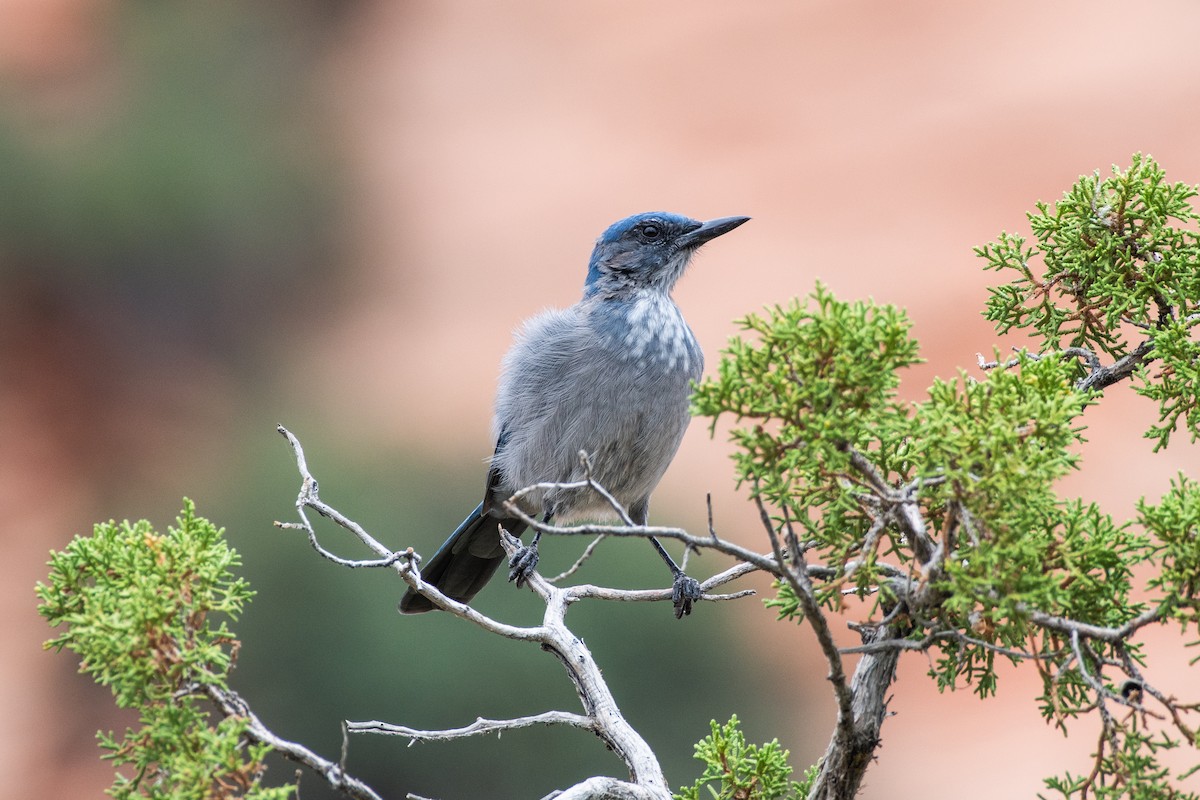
(651,231)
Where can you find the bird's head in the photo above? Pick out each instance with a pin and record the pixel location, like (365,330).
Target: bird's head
(649,251)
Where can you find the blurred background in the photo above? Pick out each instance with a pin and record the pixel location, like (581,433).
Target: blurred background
(216,217)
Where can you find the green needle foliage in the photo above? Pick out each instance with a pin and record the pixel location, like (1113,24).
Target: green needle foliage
(139,609)
(735,770)
(1120,267)
(942,516)
(1174,527)
(816,383)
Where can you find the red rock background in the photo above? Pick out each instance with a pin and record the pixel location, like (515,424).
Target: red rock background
(477,149)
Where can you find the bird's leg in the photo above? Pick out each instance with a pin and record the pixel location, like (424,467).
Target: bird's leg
(685,590)
(525,560)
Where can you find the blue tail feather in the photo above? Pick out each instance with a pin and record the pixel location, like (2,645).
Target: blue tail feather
(465,562)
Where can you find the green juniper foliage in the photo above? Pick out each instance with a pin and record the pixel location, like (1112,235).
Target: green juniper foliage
(815,382)
(1002,566)
(1120,267)
(140,610)
(735,770)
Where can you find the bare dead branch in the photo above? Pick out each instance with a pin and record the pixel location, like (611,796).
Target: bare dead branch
(760,561)
(232,705)
(1122,368)
(1099,376)
(579,562)
(582,591)
(308,499)
(1098,632)
(479,727)
(603,716)
(920,645)
(797,575)
(602,788)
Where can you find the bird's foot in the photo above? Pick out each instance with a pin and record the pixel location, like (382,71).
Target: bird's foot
(685,592)
(522,564)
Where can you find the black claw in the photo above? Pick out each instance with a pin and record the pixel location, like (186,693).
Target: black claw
(685,592)
(522,564)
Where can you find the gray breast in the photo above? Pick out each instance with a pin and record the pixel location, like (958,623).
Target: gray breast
(610,379)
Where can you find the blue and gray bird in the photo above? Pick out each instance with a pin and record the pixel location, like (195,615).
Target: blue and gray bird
(610,376)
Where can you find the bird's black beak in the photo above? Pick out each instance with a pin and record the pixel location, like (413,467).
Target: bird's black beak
(709,230)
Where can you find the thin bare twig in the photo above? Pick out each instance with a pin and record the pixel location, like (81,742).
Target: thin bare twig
(1098,632)
(308,498)
(584,556)
(938,636)
(582,591)
(588,482)
(759,560)
(902,504)
(479,727)
(1099,376)
(230,704)
(802,586)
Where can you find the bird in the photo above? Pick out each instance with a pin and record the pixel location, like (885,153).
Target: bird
(610,376)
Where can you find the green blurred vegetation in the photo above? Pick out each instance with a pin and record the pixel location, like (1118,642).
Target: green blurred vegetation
(190,183)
